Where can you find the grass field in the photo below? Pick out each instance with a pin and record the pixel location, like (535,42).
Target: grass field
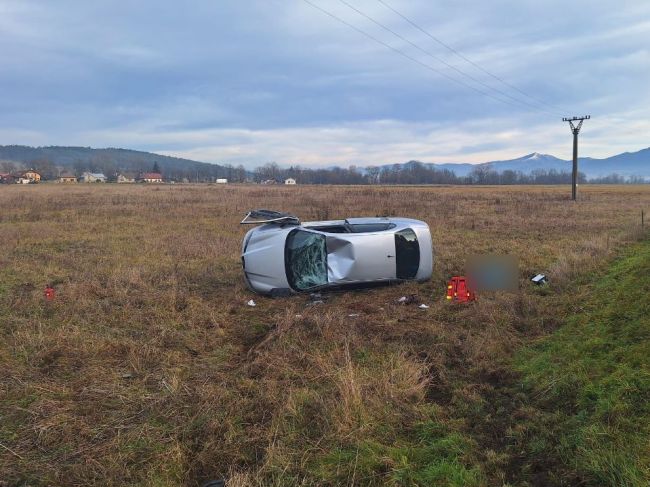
(149,369)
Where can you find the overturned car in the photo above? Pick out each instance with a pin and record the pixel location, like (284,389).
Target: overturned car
(283,255)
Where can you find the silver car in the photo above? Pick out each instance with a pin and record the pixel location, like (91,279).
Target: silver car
(284,256)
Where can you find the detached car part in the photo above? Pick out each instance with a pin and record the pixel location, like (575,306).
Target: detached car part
(284,256)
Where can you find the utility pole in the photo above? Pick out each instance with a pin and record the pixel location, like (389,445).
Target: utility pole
(576,130)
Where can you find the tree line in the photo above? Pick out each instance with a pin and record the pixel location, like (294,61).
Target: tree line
(420,173)
(410,173)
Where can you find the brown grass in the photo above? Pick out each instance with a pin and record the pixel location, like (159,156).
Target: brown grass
(148,368)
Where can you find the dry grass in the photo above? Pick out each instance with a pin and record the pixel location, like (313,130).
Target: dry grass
(148,368)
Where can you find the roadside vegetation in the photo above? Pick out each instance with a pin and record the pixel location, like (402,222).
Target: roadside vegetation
(591,381)
(148,367)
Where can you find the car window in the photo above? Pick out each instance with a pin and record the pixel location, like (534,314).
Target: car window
(305,256)
(408,254)
(331,228)
(369,227)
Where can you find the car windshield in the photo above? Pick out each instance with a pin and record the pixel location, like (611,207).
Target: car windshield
(408,254)
(305,260)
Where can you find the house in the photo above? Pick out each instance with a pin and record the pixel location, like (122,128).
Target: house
(66,177)
(289,181)
(151,177)
(93,177)
(6,178)
(222,181)
(269,181)
(126,177)
(28,177)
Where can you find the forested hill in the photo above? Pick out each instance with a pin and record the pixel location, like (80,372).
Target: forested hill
(49,160)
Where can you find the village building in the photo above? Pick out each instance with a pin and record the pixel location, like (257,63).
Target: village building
(28,177)
(290,181)
(126,177)
(222,181)
(66,177)
(6,178)
(269,181)
(151,177)
(93,177)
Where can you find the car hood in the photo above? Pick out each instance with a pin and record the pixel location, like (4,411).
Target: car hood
(263,258)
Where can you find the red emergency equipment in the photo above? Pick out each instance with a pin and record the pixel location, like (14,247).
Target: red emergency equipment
(49,293)
(458,290)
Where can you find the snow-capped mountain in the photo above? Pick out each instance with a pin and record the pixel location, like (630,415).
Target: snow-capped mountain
(530,162)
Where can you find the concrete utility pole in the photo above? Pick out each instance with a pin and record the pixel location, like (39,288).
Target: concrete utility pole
(576,130)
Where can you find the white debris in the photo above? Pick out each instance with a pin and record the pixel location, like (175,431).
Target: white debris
(540,279)
(423,306)
(353,315)
(251,303)
(402,299)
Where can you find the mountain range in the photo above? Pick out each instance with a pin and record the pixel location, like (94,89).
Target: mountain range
(85,158)
(626,164)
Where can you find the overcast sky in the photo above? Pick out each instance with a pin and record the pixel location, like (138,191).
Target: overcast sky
(253,81)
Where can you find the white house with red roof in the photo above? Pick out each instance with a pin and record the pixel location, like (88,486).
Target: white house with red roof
(151,177)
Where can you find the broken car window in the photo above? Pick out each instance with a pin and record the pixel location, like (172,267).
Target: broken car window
(408,254)
(305,260)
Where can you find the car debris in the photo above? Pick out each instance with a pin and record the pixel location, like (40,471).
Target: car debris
(410,299)
(283,255)
(540,279)
(317,297)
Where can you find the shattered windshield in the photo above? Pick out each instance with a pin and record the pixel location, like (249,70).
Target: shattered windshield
(305,260)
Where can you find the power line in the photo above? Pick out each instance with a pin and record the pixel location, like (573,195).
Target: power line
(433,56)
(463,57)
(407,56)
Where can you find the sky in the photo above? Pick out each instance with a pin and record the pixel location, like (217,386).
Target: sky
(254,81)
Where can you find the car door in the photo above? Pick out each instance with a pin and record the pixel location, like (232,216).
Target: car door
(361,257)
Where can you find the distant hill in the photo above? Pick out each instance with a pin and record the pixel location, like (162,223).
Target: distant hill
(80,159)
(626,164)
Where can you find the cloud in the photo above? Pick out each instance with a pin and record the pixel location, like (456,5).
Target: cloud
(375,142)
(277,80)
